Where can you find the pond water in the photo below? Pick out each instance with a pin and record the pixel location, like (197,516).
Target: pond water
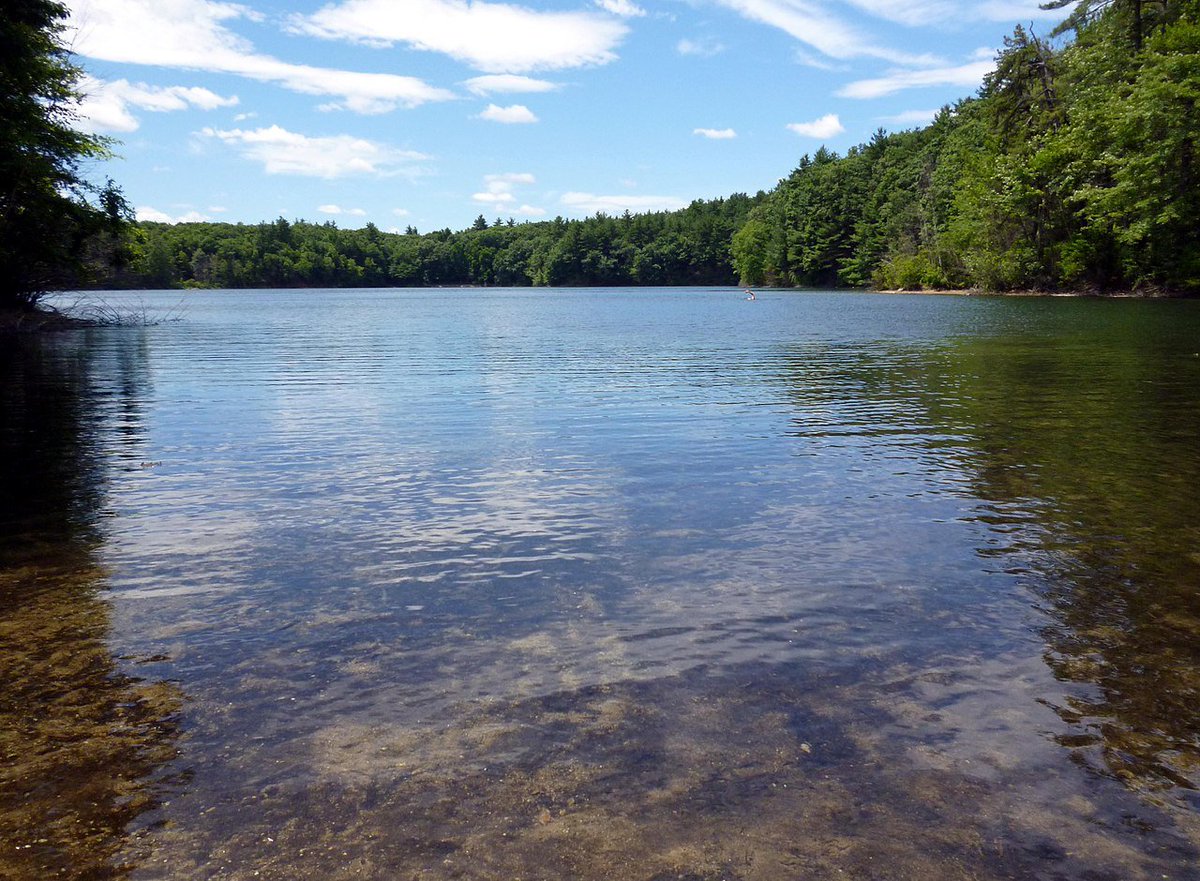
(605,584)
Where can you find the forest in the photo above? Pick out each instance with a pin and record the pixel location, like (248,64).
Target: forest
(685,247)
(1074,168)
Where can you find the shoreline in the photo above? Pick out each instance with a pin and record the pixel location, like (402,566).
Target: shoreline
(1080,295)
(38,320)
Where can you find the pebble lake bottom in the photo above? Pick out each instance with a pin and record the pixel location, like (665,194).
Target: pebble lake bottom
(602,584)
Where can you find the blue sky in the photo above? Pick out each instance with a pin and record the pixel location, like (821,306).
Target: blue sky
(431,112)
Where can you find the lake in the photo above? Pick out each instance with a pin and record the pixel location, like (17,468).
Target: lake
(602,584)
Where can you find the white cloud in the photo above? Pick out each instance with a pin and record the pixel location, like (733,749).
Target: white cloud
(242,117)
(705,47)
(825,127)
(217,209)
(1019,11)
(590,203)
(507,83)
(164,99)
(400,212)
(338,209)
(810,60)
(716,134)
(910,12)
(513,114)
(145,212)
(192,34)
(810,22)
(623,8)
(492,37)
(283,152)
(529,211)
(498,188)
(911,117)
(962,75)
(509,178)
(98,112)
(106,105)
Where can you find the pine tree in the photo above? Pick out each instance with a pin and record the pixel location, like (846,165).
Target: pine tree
(45,213)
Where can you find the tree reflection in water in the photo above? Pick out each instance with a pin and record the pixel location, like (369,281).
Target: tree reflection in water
(1100,441)
(84,743)
(1078,425)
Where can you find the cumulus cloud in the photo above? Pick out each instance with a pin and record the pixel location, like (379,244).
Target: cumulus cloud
(590,203)
(715,134)
(492,37)
(283,152)
(513,114)
(498,188)
(106,106)
(825,127)
(194,35)
(623,8)
(507,83)
(705,47)
(400,212)
(970,74)
(338,209)
(153,215)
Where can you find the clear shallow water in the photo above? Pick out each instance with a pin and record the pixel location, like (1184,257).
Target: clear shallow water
(603,584)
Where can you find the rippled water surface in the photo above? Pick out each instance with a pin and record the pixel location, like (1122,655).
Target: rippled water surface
(643,585)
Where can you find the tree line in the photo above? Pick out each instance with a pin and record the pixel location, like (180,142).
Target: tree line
(685,247)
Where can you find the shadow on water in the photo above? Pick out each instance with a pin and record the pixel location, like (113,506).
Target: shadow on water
(84,743)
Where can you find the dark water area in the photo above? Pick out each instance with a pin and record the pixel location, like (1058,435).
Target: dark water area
(646,585)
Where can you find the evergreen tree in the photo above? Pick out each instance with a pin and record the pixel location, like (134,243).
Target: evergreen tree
(46,217)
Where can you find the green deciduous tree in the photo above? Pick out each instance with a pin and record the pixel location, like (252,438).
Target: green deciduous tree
(1077,166)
